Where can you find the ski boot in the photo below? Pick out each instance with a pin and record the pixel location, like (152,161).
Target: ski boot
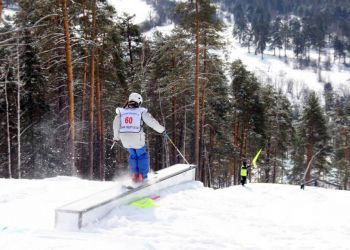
(134,177)
(140,178)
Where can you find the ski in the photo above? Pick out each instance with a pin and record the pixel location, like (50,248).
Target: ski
(134,186)
(128,187)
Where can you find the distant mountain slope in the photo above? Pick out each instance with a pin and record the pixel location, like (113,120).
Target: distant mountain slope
(284,74)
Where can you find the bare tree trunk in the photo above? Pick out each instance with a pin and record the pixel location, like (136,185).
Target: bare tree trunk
(184,133)
(165,154)
(8,130)
(308,161)
(308,166)
(347,159)
(102,145)
(129,43)
(202,121)
(245,139)
(98,114)
(319,57)
(268,160)
(242,153)
(173,117)
(83,110)
(70,87)
(99,120)
(92,89)
(235,128)
(196,93)
(1,6)
(285,50)
(274,171)
(18,111)
(210,161)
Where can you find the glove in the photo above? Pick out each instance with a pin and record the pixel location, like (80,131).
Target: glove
(165,135)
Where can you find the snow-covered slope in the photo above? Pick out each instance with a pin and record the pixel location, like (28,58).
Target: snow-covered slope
(139,8)
(283,73)
(189,216)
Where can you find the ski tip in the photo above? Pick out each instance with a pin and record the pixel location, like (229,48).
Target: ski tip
(155,197)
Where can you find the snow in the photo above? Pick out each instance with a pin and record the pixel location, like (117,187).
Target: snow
(278,71)
(139,8)
(274,70)
(165,30)
(187,216)
(9,12)
(7,16)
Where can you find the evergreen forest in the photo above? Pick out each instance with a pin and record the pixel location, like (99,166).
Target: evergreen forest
(65,66)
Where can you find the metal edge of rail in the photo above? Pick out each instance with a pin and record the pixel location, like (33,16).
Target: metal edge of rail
(124,194)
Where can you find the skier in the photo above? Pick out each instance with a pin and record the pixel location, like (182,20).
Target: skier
(244,172)
(128,128)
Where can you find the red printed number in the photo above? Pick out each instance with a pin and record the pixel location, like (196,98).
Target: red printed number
(128,120)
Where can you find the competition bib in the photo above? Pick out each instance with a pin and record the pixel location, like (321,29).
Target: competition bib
(130,120)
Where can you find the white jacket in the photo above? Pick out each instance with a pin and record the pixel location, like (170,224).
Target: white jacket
(135,139)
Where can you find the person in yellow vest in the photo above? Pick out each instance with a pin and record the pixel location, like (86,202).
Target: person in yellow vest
(245,168)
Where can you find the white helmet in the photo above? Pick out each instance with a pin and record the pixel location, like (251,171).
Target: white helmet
(135,97)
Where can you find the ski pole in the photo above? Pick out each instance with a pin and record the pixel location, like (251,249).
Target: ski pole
(183,157)
(113,144)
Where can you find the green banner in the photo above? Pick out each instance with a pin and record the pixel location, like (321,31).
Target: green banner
(256,157)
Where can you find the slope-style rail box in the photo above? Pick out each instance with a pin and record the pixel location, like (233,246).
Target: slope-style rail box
(80,213)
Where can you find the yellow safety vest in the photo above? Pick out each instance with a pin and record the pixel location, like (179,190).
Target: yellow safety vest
(244,170)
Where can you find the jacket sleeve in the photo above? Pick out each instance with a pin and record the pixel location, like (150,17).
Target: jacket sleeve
(116,125)
(151,122)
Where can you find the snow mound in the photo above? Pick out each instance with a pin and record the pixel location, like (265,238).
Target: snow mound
(187,216)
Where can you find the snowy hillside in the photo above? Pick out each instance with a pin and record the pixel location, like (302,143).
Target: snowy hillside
(189,216)
(274,70)
(139,8)
(283,73)
(280,71)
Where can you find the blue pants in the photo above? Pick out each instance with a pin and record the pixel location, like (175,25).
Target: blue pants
(138,161)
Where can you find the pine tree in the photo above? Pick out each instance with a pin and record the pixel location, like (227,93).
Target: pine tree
(216,146)
(320,26)
(199,18)
(34,107)
(313,132)
(339,48)
(70,87)
(344,140)
(50,43)
(261,27)
(276,35)
(248,37)
(92,92)
(298,38)
(329,97)
(248,113)
(285,34)
(278,133)
(240,26)
(133,49)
